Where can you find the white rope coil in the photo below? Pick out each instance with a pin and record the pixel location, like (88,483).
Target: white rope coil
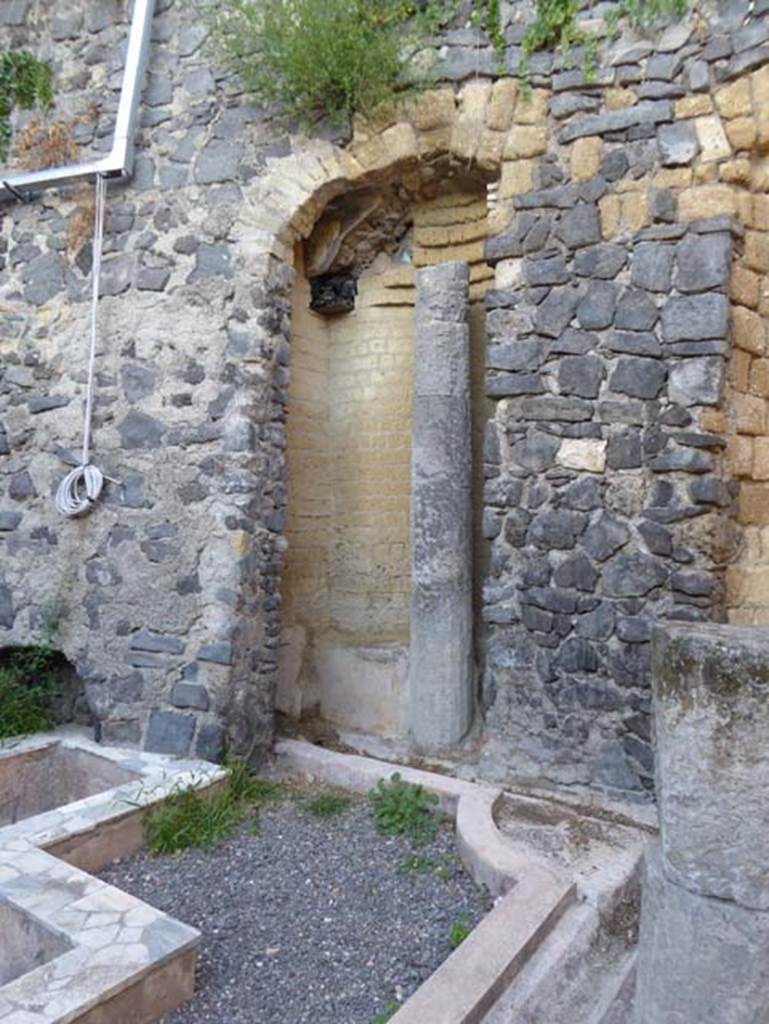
(80,489)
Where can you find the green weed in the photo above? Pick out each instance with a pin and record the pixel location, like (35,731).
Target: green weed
(459,931)
(391,1007)
(403,809)
(328,804)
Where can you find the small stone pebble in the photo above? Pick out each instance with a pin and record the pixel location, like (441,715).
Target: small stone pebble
(310,921)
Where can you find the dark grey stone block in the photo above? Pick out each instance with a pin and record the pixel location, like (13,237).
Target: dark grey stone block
(638,377)
(169,733)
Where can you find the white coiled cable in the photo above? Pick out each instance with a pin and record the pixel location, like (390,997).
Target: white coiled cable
(79,491)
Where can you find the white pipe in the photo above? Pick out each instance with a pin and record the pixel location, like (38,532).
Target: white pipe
(119,162)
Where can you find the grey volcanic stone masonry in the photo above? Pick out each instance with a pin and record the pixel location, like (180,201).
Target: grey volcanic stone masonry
(704,943)
(599,361)
(595,440)
(441,647)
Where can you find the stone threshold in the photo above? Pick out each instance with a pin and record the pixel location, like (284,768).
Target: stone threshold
(124,959)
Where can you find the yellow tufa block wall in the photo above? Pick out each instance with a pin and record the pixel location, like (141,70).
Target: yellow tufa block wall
(347,581)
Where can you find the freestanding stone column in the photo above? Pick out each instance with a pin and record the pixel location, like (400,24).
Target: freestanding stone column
(704,946)
(441,650)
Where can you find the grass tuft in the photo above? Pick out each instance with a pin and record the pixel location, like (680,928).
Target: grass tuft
(187,818)
(328,804)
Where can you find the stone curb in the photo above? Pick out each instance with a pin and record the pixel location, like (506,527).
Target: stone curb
(532,901)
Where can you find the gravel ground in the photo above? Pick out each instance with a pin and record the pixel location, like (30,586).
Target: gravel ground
(310,921)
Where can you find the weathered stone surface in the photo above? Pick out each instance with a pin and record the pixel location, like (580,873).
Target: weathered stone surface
(711,714)
(703,262)
(678,143)
(605,536)
(581,226)
(138,430)
(638,377)
(697,381)
(169,733)
(647,113)
(583,454)
(695,318)
(727,978)
(190,695)
(440,653)
(596,310)
(580,375)
(652,267)
(556,312)
(636,311)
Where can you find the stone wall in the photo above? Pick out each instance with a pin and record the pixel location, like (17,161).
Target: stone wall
(630,211)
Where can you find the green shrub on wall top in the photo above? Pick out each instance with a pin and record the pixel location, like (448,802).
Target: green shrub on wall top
(25,82)
(331,58)
(322,58)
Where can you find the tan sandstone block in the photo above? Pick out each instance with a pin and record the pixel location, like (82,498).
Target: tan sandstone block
(692,106)
(706,201)
(762,129)
(761,85)
(714,144)
(586,155)
(744,206)
(741,133)
(744,287)
(757,251)
(672,177)
(754,504)
(532,109)
(739,455)
(759,377)
(635,211)
(713,421)
(748,330)
(705,174)
(736,99)
(500,217)
(736,172)
(499,114)
(517,178)
(738,373)
(611,212)
(750,414)
(432,109)
(526,141)
(759,178)
(392,147)
(619,99)
(490,149)
(760,217)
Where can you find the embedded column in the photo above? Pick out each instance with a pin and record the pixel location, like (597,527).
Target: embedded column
(441,680)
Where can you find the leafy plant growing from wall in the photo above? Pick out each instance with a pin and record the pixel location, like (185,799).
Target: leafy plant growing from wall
(25,82)
(555,26)
(323,58)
